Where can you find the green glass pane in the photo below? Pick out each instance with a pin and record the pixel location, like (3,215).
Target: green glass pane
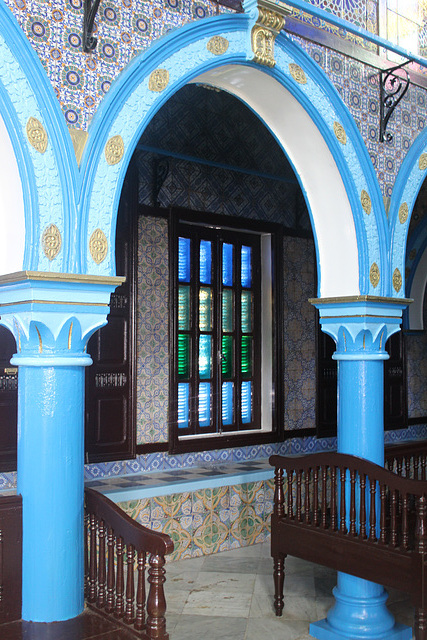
(246,312)
(183,356)
(205,357)
(205,309)
(227,357)
(227,310)
(246,355)
(184,308)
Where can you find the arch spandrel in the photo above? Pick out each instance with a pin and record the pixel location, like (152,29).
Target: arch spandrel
(342,228)
(40,149)
(412,174)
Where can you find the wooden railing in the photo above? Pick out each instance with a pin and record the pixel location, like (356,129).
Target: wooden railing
(408,459)
(353,516)
(116,548)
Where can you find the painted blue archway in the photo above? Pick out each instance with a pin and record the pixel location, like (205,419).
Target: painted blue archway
(48,178)
(353,241)
(410,178)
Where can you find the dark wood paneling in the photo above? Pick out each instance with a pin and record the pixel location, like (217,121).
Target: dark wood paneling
(10,558)
(8,401)
(110,381)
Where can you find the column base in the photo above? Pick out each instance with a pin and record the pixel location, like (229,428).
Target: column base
(359,613)
(322,630)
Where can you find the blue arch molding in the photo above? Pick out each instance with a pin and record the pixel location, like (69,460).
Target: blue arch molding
(407,186)
(129,106)
(49,180)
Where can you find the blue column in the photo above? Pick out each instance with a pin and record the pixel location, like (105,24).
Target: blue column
(52,317)
(360,327)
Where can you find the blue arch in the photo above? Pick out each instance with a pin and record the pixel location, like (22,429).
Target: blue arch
(121,113)
(49,181)
(407,186)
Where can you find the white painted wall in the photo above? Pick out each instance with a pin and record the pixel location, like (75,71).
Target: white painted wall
(313,163)
(12,221)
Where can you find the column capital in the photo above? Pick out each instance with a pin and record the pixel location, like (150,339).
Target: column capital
(360,325)
(53,315)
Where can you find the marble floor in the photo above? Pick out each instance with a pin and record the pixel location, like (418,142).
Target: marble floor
(228,596)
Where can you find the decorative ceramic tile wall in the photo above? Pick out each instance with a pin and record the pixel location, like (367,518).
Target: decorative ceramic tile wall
(124,28)
(152,342)
(358,86)
(299,330)
(209,520)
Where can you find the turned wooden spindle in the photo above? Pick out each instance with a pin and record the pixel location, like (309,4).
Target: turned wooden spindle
(130,585)
(333,498)
(102,573)
(324,496)
(405,532)
(416,467)
(299,481)
(362,532)
(372,514)
(290,476)
(278,492)
(393,519)
(86,556)
(92,560)
(423,466)
(307,495)
(316,497)
(120,582)
(353,502)
(140,593)
(156,603)
(279,578)
(383,519)
(111,581)
(421,525)
(342,500)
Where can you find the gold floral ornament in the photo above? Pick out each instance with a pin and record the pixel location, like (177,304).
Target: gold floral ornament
(51,241)
(264,33)
(366,202)
(397,280)
(340,133)
(98,246)
(422,162)
(217,45)
(374,275)
(403,212)
(159,80)
(37,136)
(114,150)
(297,73)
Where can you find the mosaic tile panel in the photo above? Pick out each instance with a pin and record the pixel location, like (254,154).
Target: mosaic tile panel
(416,363)
(124,28)
(358,86)
(152,341)
(206,521)
(299,330)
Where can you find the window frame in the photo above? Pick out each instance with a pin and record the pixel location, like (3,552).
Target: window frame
(179,442)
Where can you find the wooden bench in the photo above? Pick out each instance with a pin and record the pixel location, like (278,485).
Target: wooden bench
(353,516)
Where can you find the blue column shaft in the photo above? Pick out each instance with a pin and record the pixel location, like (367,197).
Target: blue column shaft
(361,409)
(50,479)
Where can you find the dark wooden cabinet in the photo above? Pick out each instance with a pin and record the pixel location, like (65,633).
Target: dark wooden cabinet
(395,390)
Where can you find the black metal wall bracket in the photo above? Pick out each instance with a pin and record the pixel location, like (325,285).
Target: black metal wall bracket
(392,89)
(90,11)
